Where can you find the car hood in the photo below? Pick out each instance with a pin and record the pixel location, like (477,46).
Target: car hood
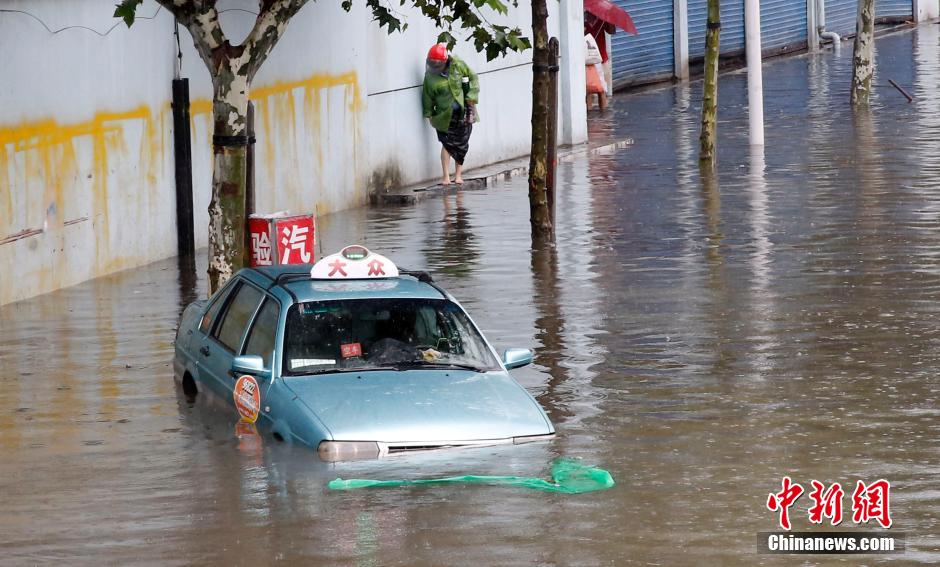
(421,406)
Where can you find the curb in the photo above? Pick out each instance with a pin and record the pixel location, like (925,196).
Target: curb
(507,170)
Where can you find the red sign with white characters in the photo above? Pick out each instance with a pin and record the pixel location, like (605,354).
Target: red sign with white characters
(295,240)
(350,350)
(259,231)
(278,239)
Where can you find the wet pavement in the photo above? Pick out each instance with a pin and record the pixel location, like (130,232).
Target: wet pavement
(700,338)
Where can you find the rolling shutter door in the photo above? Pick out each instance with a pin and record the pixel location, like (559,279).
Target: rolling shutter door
(646,57)
(894,9)
(840,16)
(731,41)
(783,25)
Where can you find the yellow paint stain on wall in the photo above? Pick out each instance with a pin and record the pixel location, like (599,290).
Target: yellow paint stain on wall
(276,122)
(42,157)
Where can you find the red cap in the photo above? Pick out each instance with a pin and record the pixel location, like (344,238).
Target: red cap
(438,52)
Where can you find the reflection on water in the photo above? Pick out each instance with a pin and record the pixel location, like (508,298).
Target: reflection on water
(698,336)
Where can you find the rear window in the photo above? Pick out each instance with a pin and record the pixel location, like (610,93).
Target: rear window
(229,332)
(213,310)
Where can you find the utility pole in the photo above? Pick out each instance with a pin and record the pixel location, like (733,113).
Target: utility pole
(755,80)
(707,139)
(863,59)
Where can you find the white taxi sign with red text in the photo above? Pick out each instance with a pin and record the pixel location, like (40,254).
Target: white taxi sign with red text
(354,263)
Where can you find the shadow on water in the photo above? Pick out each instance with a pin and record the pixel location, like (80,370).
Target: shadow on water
(699,337)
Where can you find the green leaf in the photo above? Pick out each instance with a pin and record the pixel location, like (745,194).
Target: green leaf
(446,37)
(127,9)
(493,50)
(385,18)
(498,6)
(347,5)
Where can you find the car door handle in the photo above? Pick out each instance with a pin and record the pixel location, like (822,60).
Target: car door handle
(204,350)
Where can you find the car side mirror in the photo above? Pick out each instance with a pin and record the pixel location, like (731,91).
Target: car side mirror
(517,357)
(248,364)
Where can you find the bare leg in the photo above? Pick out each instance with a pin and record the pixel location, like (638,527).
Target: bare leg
(587,100)
(445,167)
(457,178)
(602,100)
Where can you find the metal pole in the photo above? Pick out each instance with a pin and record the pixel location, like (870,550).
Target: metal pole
(182,151)
(250,163)
(755,82)
(249,179)
(552,131)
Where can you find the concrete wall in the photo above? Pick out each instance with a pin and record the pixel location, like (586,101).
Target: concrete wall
(86,151)
(926,10)
(86,178)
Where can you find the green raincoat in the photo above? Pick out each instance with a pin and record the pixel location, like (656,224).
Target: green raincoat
(440,92)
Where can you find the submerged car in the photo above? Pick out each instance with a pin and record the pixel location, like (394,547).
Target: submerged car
(356,359)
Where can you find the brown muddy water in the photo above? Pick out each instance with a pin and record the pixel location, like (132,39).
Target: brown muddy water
(699,339)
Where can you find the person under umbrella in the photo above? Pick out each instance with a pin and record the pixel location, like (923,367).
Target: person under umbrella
(449,97)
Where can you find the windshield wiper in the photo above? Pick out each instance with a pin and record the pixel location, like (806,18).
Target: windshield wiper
(427,364)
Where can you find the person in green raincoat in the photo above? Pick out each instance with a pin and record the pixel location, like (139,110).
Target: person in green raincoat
(449,97)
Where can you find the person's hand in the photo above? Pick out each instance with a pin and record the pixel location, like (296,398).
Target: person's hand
(470,117)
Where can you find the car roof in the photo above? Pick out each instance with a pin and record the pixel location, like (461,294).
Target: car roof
(296,280)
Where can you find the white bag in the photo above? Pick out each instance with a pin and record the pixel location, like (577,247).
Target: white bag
(592,55)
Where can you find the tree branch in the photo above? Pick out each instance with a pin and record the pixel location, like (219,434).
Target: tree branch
(202,21)
(270,24)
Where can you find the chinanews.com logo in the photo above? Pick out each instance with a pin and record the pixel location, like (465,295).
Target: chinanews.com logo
(871,505)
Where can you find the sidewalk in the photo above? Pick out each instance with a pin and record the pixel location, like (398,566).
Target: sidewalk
(483,177)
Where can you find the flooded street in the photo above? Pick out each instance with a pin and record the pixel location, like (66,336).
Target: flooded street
(698,338)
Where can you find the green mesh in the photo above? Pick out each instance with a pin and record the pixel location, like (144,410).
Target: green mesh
(569,476)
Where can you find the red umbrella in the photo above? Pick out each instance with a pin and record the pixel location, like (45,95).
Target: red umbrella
(610,12)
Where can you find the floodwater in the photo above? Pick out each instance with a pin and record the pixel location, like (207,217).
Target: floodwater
(699,338)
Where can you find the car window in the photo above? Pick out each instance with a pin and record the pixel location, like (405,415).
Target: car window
(213,310)
(262,333)
(359,334)
(237,315)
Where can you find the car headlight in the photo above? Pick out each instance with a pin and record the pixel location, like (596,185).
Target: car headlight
(347,450)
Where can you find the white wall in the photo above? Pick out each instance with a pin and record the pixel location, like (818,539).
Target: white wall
(926,10)
(86,182)
(86,150)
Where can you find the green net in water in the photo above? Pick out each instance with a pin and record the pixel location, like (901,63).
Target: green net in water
(569,476)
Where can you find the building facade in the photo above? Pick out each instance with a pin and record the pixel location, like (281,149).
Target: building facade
(672,34)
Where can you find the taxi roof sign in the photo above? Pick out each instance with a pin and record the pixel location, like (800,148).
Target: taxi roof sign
(354,263)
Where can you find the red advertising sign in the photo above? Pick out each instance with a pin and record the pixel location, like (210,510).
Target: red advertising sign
(260,237)
(295,240)
(280,239)
(247,398)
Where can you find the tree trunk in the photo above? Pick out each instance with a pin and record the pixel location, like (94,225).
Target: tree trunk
(709,133)
(232,69)
(539,214)
(863,52)
(229,173)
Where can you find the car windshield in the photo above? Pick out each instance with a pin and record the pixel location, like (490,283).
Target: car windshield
(374,334)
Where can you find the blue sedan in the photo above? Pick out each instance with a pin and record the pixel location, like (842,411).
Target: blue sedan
(356,359)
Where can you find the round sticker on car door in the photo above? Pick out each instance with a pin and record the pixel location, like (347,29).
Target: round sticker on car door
(247,398)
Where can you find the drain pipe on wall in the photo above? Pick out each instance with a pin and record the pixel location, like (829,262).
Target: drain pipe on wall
(821,19)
